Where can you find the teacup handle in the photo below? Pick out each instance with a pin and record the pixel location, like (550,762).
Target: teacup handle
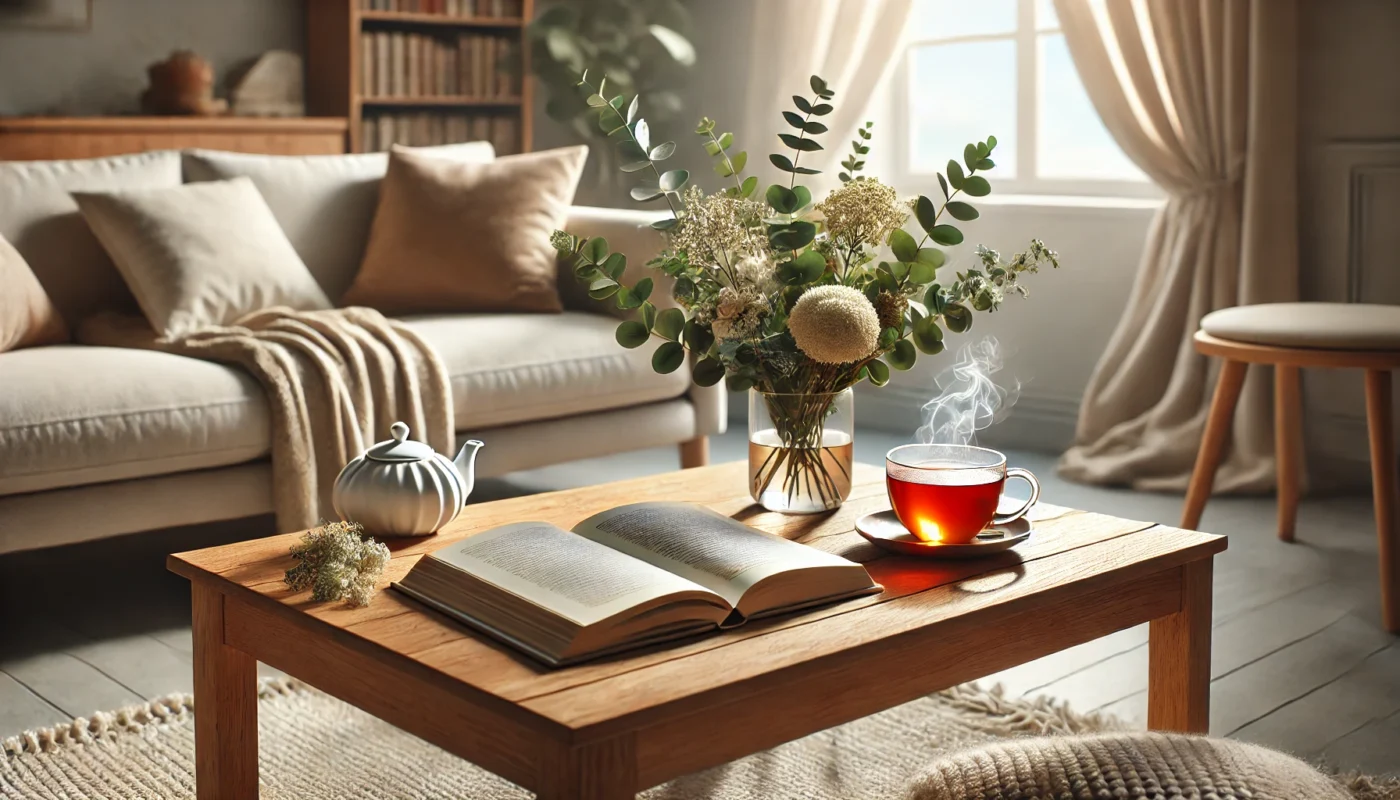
(1025,475)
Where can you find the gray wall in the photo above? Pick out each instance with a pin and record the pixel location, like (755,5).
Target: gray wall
(103,70)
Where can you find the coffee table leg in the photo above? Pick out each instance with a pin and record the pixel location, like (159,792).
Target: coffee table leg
(605,770)
(1178,671)
(226,706)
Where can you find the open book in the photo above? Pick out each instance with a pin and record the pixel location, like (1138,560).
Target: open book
(626,577)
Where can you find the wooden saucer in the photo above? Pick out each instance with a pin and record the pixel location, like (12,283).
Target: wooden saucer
(883,529)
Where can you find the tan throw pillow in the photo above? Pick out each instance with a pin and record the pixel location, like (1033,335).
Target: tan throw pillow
(27,316)
(200,254)
(454,236)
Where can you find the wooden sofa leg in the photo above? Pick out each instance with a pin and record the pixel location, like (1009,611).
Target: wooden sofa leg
(695,452)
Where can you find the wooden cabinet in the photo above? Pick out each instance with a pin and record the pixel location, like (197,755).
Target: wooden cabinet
(42,138)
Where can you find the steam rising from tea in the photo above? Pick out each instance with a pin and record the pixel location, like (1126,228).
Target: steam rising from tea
(969,400)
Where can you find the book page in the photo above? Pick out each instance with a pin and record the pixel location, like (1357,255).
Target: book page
(571,576)
(704,546)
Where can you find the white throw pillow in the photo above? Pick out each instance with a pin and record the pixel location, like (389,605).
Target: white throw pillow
(325,204)
(201,254)
(38,216)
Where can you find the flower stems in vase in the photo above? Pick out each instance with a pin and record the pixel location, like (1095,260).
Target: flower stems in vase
(801,450)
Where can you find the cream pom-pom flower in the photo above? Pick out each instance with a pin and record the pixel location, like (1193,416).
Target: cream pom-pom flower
(834,324)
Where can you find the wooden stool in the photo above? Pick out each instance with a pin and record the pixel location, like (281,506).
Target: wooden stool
(1290,336)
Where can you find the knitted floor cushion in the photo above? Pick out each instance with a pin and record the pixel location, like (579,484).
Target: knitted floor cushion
(1136,765)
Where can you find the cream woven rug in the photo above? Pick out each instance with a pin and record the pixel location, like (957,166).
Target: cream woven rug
(313,746)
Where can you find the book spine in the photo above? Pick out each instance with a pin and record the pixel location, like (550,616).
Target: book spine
(366,64)
(381,64)
(399,85)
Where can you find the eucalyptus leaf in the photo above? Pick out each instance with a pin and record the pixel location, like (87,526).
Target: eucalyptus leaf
(921,272)
(794,236)
(977,186)
(782,199)
(986,164)
(663,151)
(642,133)
(928,336)
(931,256)
(971,157)
(643,289)
(925,213)
(738,383)
(698,337)
(739,160)
(795,120)
(750,184)
(634,108)
(801,103)
(725,140)
(962,211)
(597,101)
(800,144)
(614,265)
(632,334)
(946,235)
(626,300)
(903,245)
(673,181)
(958,317)
(669,323)
(644,193)
(677,45)
(708,372)
(935,299)
(879,372)
(955,174)
(648,315)
(603,288)
(668,357)
(804,196)
(903,356)
(822,109)
(665,224)
(943,184)
(595,250)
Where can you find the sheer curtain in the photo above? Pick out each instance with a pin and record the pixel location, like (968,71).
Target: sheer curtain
(1200,94)
(851,44)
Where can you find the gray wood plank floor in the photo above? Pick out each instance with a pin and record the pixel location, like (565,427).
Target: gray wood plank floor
(1300,660)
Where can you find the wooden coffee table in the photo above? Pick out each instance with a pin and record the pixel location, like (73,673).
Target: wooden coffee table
(612,728)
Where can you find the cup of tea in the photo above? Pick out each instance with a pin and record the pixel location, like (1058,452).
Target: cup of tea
(948,493)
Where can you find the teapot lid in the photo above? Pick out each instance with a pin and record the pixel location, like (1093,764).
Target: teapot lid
(400,448)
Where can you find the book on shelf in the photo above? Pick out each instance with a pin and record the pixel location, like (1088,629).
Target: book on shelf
(491,9)
(627,577)
(378,131)
(469,65)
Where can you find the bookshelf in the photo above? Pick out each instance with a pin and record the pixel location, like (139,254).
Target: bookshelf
(421,72)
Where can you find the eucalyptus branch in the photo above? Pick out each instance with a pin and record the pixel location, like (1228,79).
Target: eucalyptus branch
(622,124)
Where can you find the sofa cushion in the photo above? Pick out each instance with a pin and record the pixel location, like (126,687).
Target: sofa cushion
(201,254)
(74,415)
(325,204)
(41,220)
(509,368)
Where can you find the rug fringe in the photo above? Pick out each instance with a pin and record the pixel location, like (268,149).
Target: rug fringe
(1042,715)
(161,711)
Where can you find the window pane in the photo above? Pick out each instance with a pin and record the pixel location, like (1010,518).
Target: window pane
(1045,16)
(960,93)
(1072,141)
(942,19)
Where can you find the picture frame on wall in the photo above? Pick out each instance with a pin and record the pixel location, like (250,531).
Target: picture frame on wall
(46,14)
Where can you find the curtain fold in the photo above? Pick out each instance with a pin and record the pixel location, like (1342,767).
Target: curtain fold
(1200,95)
(851,44)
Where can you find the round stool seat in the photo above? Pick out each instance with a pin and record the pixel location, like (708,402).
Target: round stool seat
(1323,326)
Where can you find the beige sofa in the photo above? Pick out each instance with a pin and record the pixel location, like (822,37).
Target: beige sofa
(97,441)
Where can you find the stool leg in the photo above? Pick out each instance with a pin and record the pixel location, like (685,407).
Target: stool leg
(1288,446)
(1222,411)
(1382,432)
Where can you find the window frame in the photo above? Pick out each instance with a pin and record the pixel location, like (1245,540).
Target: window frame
(1028,93)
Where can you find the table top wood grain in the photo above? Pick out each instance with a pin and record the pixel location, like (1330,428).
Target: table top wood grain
(1080,575)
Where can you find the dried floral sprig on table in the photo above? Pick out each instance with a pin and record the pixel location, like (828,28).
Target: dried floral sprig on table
(336,562)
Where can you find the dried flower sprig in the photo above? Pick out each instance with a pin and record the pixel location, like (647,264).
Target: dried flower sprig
(336,563)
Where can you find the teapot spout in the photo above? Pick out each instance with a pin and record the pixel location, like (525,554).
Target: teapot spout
(466,464)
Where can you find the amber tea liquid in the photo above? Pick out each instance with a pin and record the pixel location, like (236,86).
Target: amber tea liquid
(946,503)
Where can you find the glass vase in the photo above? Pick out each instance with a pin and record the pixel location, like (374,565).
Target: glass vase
(801,450)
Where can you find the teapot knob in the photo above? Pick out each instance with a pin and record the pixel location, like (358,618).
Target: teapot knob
(399,431)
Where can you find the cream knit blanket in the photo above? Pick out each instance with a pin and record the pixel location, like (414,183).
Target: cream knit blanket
(335,381)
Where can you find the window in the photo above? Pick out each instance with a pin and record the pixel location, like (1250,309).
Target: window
(979,67)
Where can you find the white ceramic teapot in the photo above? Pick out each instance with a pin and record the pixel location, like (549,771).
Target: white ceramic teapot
(401,487)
